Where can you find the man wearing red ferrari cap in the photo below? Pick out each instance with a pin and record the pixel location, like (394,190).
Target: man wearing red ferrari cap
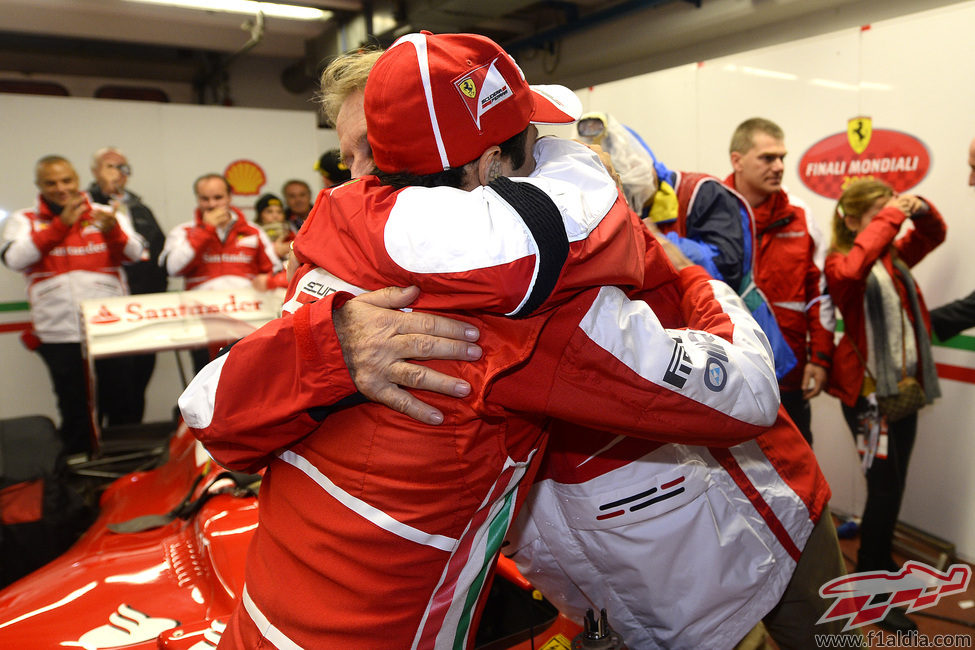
(473,93)
(392,526)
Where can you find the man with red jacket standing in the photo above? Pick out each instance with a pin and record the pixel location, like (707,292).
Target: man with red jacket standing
(785,269)
(70,249)
(219,249)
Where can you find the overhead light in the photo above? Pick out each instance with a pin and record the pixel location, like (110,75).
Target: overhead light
(249,7)
(830,83)
(771,74)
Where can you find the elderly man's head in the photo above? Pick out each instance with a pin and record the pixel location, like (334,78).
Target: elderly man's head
(453,104)
(111,170)
(343,87)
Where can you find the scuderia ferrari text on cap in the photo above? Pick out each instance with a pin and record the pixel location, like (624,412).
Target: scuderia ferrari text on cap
(436,101)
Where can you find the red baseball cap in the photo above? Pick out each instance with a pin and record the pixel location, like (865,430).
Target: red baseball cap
(436,101)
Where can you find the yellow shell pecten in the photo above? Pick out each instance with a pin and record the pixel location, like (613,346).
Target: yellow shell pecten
(245,177)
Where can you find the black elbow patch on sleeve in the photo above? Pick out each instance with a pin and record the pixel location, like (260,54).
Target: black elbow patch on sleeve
(544,221)
(319,413)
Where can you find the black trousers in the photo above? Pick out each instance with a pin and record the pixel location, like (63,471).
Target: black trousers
(68,372)
(141,367)
(800,412)
(886,479)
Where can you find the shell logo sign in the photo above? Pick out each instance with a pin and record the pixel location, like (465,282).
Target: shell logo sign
(245,177)
(899,159)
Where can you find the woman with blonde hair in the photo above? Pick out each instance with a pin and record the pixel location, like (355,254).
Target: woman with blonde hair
(886,347)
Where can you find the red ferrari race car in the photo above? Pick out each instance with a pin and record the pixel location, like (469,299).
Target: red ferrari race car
(162,566)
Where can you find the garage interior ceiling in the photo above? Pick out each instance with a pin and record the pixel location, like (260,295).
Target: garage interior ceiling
(574,42)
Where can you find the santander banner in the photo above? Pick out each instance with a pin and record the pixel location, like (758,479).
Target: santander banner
(899,159)
(174,320)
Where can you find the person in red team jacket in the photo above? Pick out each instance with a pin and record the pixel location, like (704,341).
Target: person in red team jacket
(219,249)
(887,336)
(69,249)
(786,268)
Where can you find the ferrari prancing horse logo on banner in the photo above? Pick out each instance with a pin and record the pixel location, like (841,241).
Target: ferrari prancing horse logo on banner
(858,131)
(894,157)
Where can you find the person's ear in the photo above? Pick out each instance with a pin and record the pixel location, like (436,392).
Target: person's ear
(736,160)
(852,223)
(489,165)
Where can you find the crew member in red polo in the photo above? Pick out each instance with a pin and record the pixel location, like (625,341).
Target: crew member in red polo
(219,249)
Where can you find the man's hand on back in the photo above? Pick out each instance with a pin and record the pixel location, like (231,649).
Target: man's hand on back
(378,341)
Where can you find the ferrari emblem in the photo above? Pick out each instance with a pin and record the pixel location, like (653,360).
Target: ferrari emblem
(468,88)
(858,132)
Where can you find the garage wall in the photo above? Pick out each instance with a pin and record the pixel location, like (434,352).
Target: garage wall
(168,146)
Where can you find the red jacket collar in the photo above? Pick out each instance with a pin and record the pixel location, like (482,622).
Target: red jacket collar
(770,210)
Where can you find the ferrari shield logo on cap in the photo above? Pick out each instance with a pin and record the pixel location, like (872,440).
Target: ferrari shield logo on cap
(468,88)
(858,131)
(482,89)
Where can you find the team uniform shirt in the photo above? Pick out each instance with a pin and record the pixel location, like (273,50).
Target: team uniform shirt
(64,265)
(209,259)
(847,276)
(406,519)
(787,273)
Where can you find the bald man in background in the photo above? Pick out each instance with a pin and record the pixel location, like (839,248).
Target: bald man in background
(70,248)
